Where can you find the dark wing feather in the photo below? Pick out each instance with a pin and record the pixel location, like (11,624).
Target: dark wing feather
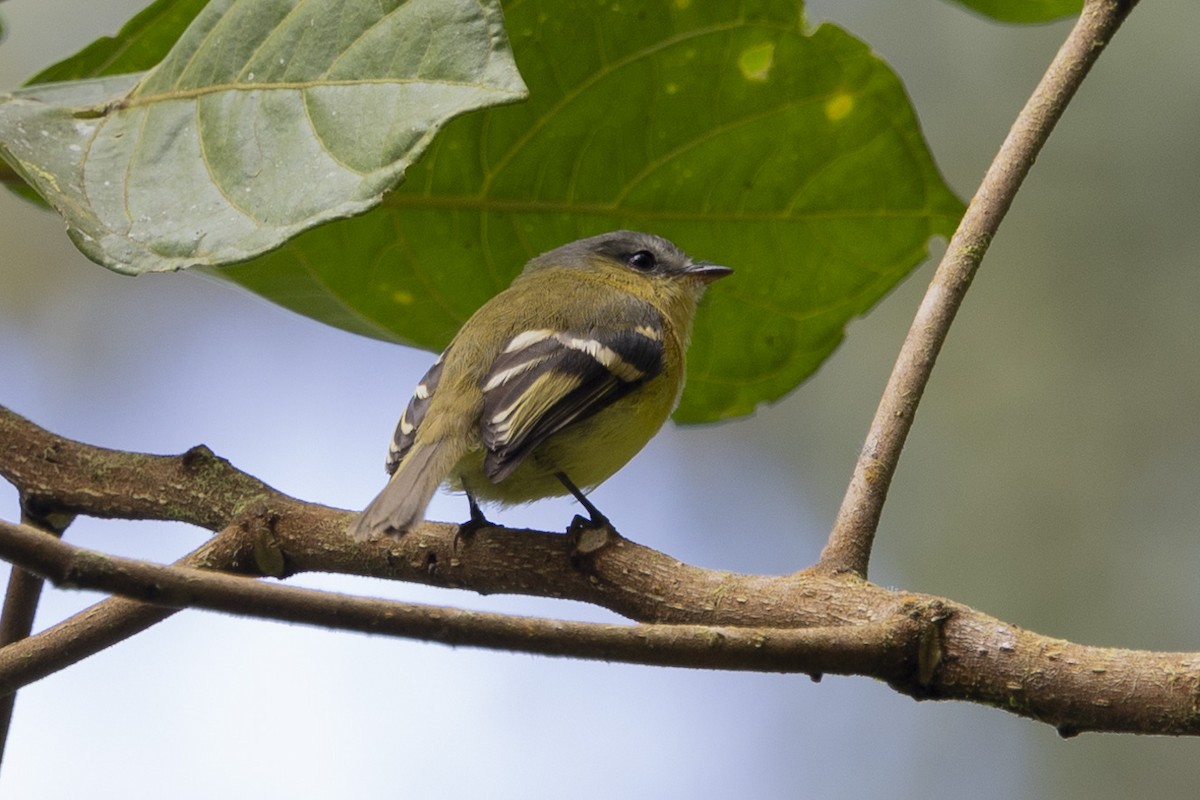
(545,380)
(414,414)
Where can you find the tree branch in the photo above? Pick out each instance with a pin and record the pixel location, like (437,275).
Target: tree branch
(811,621)
(20,605)
(99,626)
(866,649)
(850,541)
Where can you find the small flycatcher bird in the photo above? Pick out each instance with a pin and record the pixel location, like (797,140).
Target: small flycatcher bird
(552,385)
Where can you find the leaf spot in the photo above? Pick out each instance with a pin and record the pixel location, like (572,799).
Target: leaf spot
(755,61)
(839,107)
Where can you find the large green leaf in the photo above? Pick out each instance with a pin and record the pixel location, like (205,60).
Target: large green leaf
(794,158)
(263,120)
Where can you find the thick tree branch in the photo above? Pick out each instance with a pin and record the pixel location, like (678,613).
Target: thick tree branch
(267,532)
(849,545)
(39,466)
(926,647)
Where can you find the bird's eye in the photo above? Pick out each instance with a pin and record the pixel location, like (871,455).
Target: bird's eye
(642,260)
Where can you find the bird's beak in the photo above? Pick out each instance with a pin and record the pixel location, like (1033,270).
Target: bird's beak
(707,273)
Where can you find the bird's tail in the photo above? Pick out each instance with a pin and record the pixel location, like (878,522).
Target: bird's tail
(402,502)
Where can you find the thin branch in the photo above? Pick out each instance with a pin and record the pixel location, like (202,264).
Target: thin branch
(849,545)
(99,626)
(20,605)
(876,648)
(923,646)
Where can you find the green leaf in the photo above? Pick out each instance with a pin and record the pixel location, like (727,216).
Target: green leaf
(794,158)
(140,44)
(1025,10)
(263,120)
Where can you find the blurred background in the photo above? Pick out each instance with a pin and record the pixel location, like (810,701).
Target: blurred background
(1050,480)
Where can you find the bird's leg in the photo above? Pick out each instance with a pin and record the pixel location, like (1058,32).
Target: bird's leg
(469,528)
(598,520)
(589,536)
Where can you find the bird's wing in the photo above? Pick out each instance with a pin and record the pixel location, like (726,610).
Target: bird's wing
(543,380)
(414,414)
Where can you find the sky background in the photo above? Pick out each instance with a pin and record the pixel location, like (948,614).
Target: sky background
(1050,480)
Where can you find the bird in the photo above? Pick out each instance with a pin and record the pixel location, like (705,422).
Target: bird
(552,385)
